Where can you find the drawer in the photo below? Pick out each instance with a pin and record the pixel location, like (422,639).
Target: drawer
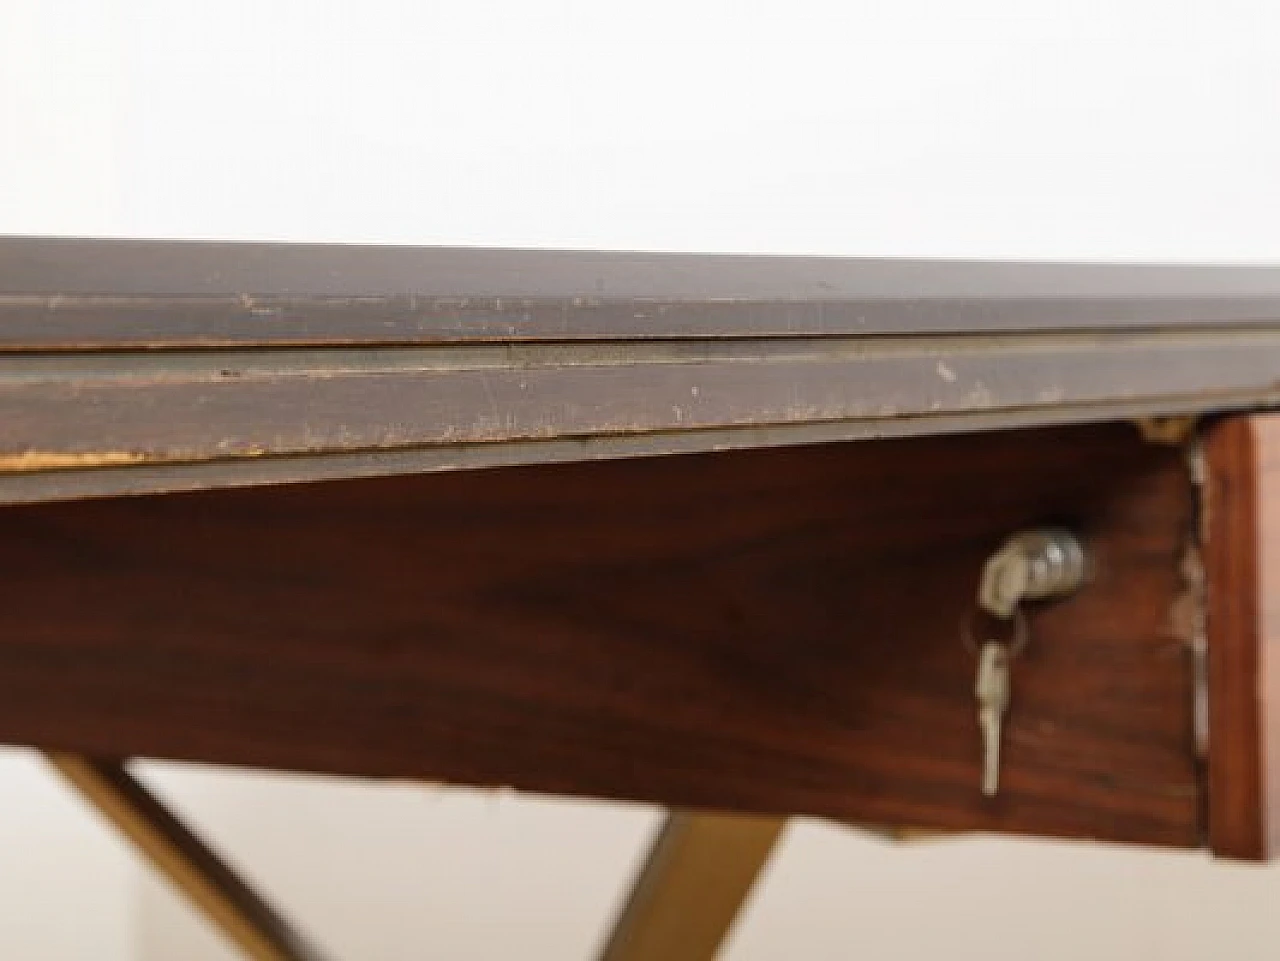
(776,631)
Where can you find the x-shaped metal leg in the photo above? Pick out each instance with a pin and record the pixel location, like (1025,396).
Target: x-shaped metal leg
(195,870)
(700,870)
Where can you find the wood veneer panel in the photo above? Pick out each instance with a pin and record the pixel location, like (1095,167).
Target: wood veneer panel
(1242,556)
(770,631)
(62,292)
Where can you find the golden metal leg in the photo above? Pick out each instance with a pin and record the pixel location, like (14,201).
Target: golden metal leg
(226,900)
(699,872)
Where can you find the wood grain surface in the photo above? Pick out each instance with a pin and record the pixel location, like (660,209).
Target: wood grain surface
(772,631)
(148,366)
(60,292)
(95,424)
(1242,560)
(118,411)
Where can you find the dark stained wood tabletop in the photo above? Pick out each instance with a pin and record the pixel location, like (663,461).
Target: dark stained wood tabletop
(144,366)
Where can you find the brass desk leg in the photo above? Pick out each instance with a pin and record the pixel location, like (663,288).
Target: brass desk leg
(699,872)
(225,899)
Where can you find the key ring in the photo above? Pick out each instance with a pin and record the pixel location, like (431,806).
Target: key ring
(1018,640)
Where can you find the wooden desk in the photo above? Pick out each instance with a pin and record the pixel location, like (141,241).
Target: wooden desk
(246,523)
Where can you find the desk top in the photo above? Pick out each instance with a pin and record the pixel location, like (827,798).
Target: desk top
(138,366)
(64,292)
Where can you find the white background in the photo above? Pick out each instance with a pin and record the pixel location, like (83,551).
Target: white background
(1094,128)
(1100,130)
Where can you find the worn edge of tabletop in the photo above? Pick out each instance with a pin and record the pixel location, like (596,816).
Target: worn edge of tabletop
(144,366)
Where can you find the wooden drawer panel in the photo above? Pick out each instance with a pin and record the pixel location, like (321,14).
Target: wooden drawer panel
(1242,535)
(772,631)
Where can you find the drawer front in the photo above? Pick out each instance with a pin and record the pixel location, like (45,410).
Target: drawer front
(773,631)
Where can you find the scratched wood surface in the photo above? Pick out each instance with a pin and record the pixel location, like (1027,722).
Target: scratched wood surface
(69,292)
(151,366)
(770,631)
(1242,559)
(110,412)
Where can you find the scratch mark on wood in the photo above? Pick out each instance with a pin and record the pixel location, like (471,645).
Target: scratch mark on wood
(34,460)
